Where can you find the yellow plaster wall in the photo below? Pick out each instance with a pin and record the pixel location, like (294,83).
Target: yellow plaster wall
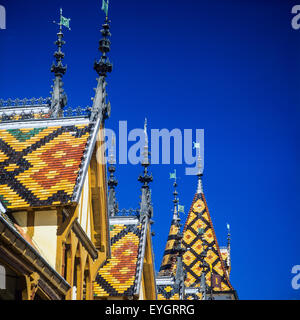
(45,234)
(142,289)
(149,285)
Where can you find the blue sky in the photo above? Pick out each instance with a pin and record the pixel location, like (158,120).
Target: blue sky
(228,67)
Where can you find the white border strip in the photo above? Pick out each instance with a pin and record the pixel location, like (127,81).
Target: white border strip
(43,123)
(123,220)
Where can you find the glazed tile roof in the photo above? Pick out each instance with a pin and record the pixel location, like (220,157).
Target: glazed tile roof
(199,218)
(193,296)
(167,288)
(167,292)
(217,258)
(121,274)
(168,265)
(39,166)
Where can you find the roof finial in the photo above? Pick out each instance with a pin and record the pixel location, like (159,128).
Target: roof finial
(200,167)
(112,157)
(146,205)
(145,161)
(228,234)
(59,98)
(175,193)
(146,147)
(102,67)
(112,182)
(229,244)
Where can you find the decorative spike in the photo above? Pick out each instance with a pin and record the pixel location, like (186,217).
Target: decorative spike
(145,179)
(229,244)
(112,159)
(104,66)
(175,201)
(200,168)
(59,98)
(112,182)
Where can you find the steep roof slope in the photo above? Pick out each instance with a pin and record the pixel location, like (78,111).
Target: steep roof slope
(40,163)
(121,274)
(199,220)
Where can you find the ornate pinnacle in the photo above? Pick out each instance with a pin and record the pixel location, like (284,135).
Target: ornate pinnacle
(104,66)
(59,98)
(200,168)
(229,245)
(228,235)
(146,162)
(145,179)
(175,193)
(58,69)
(112,182)
(175,201)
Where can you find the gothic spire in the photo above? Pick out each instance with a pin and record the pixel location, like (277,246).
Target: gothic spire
(145,179)
(102,67)
(112,182)
(59,97)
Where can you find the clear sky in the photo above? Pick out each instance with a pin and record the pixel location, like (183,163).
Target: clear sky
(228,67)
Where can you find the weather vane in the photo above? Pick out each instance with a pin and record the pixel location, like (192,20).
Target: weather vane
(105,6)
(173,175)
(63,21)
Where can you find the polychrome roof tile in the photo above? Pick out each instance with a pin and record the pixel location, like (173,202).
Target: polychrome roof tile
(168,265)
(199,218)
(119,274)
(40,166)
